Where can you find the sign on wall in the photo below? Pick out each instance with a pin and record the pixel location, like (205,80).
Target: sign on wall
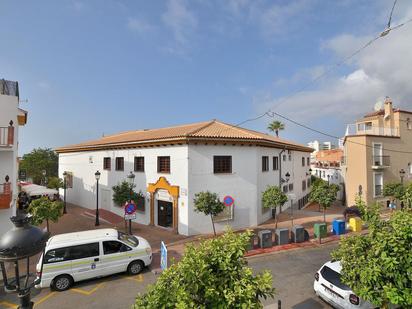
(227,213)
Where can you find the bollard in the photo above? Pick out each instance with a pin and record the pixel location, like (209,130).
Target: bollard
(279,304)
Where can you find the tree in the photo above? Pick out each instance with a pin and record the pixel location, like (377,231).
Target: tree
(276,126)
(324,194)
(213,274)
(378,266)
(124,192)
(371,214)
(39,160)
(407,197)
(209,204)
(395,190)
(272,197)
(43,209)
(55,183)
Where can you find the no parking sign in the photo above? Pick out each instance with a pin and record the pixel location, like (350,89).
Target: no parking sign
(228,200)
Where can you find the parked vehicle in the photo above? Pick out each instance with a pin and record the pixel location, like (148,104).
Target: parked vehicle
(90,254)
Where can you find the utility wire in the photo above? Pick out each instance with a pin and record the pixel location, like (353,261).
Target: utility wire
(390,15)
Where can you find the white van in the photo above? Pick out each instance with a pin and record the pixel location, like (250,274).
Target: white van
(83,255)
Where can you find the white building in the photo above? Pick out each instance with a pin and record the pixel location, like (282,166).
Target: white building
(11,117)
(173,164)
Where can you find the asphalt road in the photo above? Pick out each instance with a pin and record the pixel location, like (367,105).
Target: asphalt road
(293,272)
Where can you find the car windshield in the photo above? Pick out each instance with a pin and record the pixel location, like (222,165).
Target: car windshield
(128,239)
(333,277)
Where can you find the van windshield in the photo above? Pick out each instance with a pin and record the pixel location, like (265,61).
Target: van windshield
(333,277)
(128,239)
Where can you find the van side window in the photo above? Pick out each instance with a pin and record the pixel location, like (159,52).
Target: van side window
(84,251)
(56,255)
(111,247)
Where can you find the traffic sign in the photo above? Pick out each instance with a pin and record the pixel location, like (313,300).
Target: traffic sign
(130,216)
(228,200)
(130,208)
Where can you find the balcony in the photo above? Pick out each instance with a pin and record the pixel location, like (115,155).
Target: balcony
(6,136)
(5,195)
(380,162)
(362,129)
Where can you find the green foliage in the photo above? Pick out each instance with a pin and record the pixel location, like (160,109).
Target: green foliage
(324,194)
(407,197)
(212,275)
(395,190)
(371,214)
(123,192)
(209,204)
(378,266)
(43,209)
(276,126)
(38,160)
(55,183)
(273,196)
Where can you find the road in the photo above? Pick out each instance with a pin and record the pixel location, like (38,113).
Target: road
(293,272)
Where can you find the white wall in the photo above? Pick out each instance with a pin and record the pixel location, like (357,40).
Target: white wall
(335,177)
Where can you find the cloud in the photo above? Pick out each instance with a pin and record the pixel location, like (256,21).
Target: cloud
(44,85)
(139,25)
(180,20)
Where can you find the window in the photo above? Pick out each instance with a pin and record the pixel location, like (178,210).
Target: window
(84,251)
(129,239)
(222,164)
(323,174)
(410,167)
(408,124)
(333,277)
(139,164)
(265,163)
(284,157)
(56,255)
(303,185)
(378,184)
(291,187)
(307,161)
(119,164)
(290,157)
(275,163)
(111,247)
(163,164)
(308,185)
(107,163)
(285,189)
(303,161)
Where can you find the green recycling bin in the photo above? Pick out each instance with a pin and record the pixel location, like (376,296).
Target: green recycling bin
(320,230)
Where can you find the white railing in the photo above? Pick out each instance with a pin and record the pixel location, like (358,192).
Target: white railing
(361,128)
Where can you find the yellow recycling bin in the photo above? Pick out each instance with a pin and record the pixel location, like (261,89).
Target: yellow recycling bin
(355,224)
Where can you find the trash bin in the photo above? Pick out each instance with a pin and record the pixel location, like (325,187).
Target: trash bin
(298,233)
(355,224)
(265,239)
(319,229)
(338,227)
(282,236)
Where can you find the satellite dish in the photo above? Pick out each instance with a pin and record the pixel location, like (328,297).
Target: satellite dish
(378,106)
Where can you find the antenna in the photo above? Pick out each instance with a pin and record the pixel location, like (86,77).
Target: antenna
(378,106)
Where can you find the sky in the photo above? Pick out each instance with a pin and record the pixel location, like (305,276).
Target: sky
(89,68)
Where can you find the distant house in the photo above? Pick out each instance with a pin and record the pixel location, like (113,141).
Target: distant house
(173,164)
(377,150)
(11,117)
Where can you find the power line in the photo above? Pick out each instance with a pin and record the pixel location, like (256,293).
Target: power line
(390,15)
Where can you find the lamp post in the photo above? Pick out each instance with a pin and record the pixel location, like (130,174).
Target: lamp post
(97,175)
(328,178)
(20,243)
(64,190)
(402,174)
(282,181)
(44,177)
(130,180)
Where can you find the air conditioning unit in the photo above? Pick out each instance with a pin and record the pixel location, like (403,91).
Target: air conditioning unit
(265,239)
(298,234)
(282,236)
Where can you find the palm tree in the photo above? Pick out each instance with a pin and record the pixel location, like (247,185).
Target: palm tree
(276,126)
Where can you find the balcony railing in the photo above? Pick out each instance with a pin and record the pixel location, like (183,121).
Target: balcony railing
(361,128)
(381,161)
(5,195)
(6,136)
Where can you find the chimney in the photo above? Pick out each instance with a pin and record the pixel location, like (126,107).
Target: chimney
(388,108)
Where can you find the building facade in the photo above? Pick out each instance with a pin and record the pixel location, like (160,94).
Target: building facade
(11,117)
(172,164)
(377,149)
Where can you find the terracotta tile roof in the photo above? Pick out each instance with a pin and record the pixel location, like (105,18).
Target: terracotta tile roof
(380,112)
(333,155)
(209,131)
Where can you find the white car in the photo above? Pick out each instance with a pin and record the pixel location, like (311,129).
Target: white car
(328,286)
(90,254)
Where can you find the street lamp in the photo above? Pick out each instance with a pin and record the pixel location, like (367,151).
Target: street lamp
(286,180)
(328,178)
(97,175)
(20,243)
(44,177)
(309,172)
(130,180)
(64,189)
(402,174)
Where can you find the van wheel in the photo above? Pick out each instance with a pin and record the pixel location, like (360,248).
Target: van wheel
(62,283)
(135,267)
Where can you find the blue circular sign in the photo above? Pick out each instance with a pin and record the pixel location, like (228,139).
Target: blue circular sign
(130,208)
(228,200)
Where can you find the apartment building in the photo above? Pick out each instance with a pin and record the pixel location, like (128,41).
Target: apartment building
(172,164)
(377,150)
(11,117)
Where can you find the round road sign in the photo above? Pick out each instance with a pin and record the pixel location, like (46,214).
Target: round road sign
(228,200)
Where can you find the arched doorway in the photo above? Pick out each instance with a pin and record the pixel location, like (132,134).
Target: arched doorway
(163,206)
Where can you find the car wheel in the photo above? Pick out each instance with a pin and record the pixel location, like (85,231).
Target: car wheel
(62,283)
(135,267)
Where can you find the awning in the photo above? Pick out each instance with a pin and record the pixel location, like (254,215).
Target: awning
(33,190)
